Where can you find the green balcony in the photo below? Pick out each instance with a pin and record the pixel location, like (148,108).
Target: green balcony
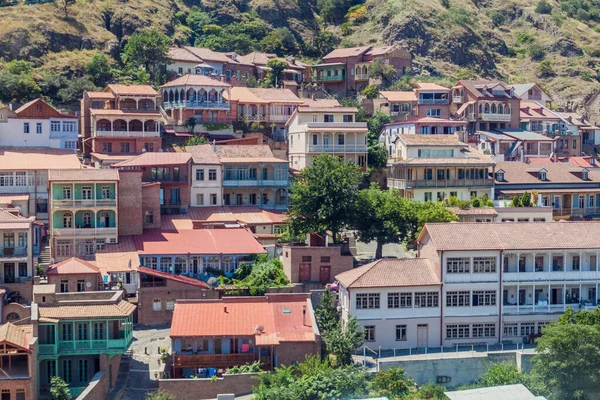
(92,346)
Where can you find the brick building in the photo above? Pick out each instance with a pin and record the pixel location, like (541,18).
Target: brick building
(74,275)
(18,358)
(275,330)
(310,263)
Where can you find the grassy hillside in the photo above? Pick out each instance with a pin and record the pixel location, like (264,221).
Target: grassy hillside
(557,45)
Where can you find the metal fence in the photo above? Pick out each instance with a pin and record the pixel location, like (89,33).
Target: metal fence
(456,350)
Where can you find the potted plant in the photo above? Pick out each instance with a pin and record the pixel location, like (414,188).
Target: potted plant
(164,355)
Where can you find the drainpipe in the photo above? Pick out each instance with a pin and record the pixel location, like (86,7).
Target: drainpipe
(441,299)
(501,297)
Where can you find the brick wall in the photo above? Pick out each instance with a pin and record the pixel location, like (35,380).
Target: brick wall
(136,145)
(198,389)
(130,198)
(174,290)
(289,353)
(25,289)
(151,203)
(113,363)
(292,258)
(97,389)
(72,281)
(23,311)
(15,385)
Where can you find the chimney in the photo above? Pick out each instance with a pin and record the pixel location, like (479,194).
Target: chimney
(225,309)
(303,315)
(214,145)
(314,96)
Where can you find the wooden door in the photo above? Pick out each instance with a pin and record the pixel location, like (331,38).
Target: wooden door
(325,274)
(422,333)
(304,272)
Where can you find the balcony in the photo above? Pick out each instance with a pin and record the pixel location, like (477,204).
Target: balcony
(446,183)
(212,360)
(495,117)
(457,99)
(99,203)
(126,134)
(278,118)
(538,309)
(567,211)
(361,77)
(396,183)
(201,105)
(550,276)
(254,183)
(47,349)
(331,78)
(253,118)
(70,232)
(13,252)
(433,101)
(336,148)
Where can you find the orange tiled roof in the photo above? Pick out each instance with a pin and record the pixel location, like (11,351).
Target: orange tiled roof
(431,140)
(347,52)
(516,172)
(255,152)
(399,96)
(141,90)
(14,335)
(118,257)
(21,159)
(280,316)
(72,265)
(83,174)
(155,158)
(181,54)
(321,103)
(431,86)
(203,154)
(173,277)
(100,95)
(208,55)
(195,80)
(263,96)
(390,272)
(118,310)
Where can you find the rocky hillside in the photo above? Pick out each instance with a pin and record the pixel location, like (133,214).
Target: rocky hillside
(556,43)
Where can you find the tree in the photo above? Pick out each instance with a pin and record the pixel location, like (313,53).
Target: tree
(148,49)
(543,7)
(536,52)
(99,70)
(71,93)
(545,70)
(323,197)
(196,21)
(196,140)
(65,4)
(507,373)
(392,383)
(272,43)
(59,390)
(275,72)
(326,313)
(262,275)
(526,199)
(377,156)
(160,395)
(378,69)
(379,217)
(417,214)
(371,92)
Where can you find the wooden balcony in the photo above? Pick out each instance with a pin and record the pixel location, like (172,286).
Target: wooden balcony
(212,360)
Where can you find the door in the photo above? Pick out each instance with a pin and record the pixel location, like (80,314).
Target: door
(522,297)
(325,142)
(422,334)
(325,274)
(9,272)
(304,272)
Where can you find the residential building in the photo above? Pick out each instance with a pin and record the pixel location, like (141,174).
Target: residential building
(347,70)
(435,167)
(400,105)
(579,130)
(159,290)
(421,126)
(539,119)
(118,264)
(277,329)
(38,124)
(532,92)
(515,144)
(198,97)
(315,129)
(80,334)
(592,108)
(74,275)
(295,71)
(84,213)
(486,105)
(426,100)
(503,282)
(18,355)
(503,212)
(253,176)
(572,191)
(207,177)
(123,119)
(396,301)
(171,171)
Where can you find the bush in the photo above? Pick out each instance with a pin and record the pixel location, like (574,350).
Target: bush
(475,202)
(496,17)
(244,369)
(543,7)
(587,75)
(445,3)
(545,70)
(536,52)
(459,16)
(526,199)
(523,37)
(392,383)
(371,92)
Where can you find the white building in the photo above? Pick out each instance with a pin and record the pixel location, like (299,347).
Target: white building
(207,177)
(532,92)
(37,124)
(315,129)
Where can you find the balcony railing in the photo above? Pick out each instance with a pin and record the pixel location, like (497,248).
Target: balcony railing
(255,118)
(566,211)
(361,77)
(13,251)
(103,203)
(87,346)
(446,183)
(495,117)
(545,276)
(332,78)
(131,134)
(336,148)
(220,105)
(212,360)
(254,183)
(433,101)
(47,349)
(457,99)
(84,232)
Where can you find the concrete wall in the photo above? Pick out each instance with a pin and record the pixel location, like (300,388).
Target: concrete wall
(197,389)
(97,389)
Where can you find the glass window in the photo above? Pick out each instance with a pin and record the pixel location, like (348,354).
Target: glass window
(484,264)
(149,217)
(170,305)
(199,174)
(369,333)
(66,192)
(86,192)
(458,299)
(426,299)
(38,128)
(458,265)
(157,305)
(66,371)
(348,118)
(213,199)
(25,127)
(83,370)
(484,298)
(367,301)
(400,332)
(212,174)
(106,192)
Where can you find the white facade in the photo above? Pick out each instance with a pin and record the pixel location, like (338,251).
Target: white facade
(56,133)
(207,184)
(189,67)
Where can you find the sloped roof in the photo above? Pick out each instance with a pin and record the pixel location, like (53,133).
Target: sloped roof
(142,90)
(516,172)
(399,95)
(247,215)
(56,113)
(14,335)
(22,159)
(321,103)
(381,50)
(251,152)
(347,52)
(195,80)
(100,95)
(533,110)
(85,311)
(173,277)
(240,316)
(507,392)
(391,272)
(182,54)
(203,154)
(155,158)
(207,54)
(431,86)
(431,140)
(83,174)
(263,95)
(72,265)
(118,257)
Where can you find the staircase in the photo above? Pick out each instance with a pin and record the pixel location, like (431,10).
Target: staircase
(118,390)
(165,116)
(44,257)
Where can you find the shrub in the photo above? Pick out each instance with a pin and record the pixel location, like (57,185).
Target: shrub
(526,199)
(587,75)
(371,92)
(475,202)
(523,37)
(445,3)
(597,28)
(545,70)
(459,16)
(536,52)
(496,17)
(543,7)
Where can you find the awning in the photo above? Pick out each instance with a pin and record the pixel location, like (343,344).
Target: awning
(464,107)
(266,339)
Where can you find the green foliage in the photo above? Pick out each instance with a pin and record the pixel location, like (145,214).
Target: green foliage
(418,213)
(215,126)
(39,270)
(71,93)
(59,390)
(543,7)
(454,201)
(326,313)
(583,10)
(323,197)
(147,49)
(429,391)
(376,156)
(99,70)
(445,3)
(275,73)
(322,43)
(524,38)
(160,395)
(466,73)
(334,11)
(536,52)
(244,369)
(196,20)
(597,28)
(497,17)
(196,140)
(371,92)
(17,82)
(588,75)
(475,202)
(526,199)
(262,275)
(375,125)
(459,16)
(392,383)
(545,69)
(381,70)
(19,67)
(516,202)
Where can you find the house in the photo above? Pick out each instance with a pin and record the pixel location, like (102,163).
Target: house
(198,97)
(295,72)
(485,105)
(122,119)
(84,212)
(400,105)
(347,70)
(38,124)
(159,290)
(118,264)
(539,119)
(533,92)
(74,275)
(169,169)
(421,126)
(277,329)
(429,167)
(503,282)
(207,176)
(18,357)
(396,301)
(80,334)
(515,144)
(315,129)
(580,134)
(572,191)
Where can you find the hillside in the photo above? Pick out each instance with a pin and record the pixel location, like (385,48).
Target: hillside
(504,39)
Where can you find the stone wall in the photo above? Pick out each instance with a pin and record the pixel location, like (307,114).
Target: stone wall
(97,388)
(198,389)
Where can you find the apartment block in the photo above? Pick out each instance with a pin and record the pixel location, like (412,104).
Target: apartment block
(207,177)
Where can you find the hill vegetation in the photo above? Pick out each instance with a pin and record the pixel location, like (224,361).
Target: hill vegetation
(554,42)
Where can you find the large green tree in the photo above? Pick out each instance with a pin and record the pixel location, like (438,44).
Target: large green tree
(59,390)
(417,214)
(148,49)
(323,197)
(99,70)
(275,73)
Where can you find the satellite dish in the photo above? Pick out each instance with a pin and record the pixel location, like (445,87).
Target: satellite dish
(88,284)
(260,328)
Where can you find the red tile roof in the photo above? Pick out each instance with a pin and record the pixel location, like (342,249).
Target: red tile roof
(177,278)
(280,316)
(151,159)
(248,215)
(391,272)
(195,80)
(347,52)
(72,265)
(197,241)
(140,90)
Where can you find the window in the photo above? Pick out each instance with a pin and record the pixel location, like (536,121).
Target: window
(367,301)
(484,264)
(399,300)
(199,174)
(180,70)
(170,305)
(175,196)
(25,127)
(458,265)
(340,139)
(107,147)
(124,147)
(64,286)
(200,199)
(328,118)
(98,331)
(157,305)
(306,259)
(66,192)
(458,299)
(81,285)
(149,146)
(51,371)
(20,394)
(150,262)
(54,126)
(149,217)
(369,333)
(428,196)
(106,193)
(500,176)
(213,199)
(510,329)
(426,299)
(23,270)
(86,192)
(527,328)
(584,175)
(66,371)
(348,118)
(428,174)
(212,174)
(576,263)
(315,118)
(484,330)
(542,175)
(574,143)
(434,112)
(6,179)
(20,178)
(83,370)
(457,331)
(325,259)
(67,332)
(400,332)
(484,298)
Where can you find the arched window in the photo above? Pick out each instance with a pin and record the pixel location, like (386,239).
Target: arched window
(494,109)
(67,220)
(13,316)
(480,108)
(486,108)
(500,109)
(165,264)
(87,219)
